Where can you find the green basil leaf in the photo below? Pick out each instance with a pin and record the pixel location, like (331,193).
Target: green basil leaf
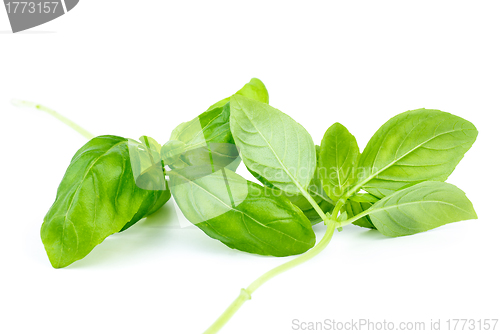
(215,154)
(151,203)
(147,166)
(415,146)
(255,89)
(318,195)
(419,208)
(316,191)
(342,217)
(354,208)
(238,213)
(202,140)
(272,144)
(97,197)
(172,151)
(212,126)
(364,198)
(337,161)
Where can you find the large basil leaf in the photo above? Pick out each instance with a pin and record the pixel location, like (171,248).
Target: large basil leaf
(337,161)
(238,213)
(97,197)
(315,189)
(419,208)
(212,126)
(415,146)
(272,144)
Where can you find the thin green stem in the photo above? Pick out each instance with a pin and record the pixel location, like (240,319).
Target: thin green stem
(353,219)
(313,203)
(229,312)
(295,262)
(68,122)
(338,206)
(246,294)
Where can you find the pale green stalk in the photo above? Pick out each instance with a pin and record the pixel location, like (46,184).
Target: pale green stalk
(68,122)
(246,294)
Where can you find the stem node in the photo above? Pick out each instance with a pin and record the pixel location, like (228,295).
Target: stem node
(245,294)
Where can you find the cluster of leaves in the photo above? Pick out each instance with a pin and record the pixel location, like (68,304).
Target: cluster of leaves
(396,185)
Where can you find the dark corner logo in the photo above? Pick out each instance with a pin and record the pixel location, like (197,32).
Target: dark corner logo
(28,14)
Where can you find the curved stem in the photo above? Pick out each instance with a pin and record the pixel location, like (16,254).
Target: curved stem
(229,312)
(295,262)
(68,122)
(246,294)
(313,203)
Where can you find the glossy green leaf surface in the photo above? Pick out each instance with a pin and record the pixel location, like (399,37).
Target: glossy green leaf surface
(415,146)
(272,144)
(337,161)
(239,214)
(419,208)
(97,197)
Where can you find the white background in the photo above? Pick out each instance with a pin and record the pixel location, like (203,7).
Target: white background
(133,68)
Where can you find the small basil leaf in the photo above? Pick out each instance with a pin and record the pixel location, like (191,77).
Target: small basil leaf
(343,216)
(415,146)
(354,208)
(272,144)
(419,208)
(239,214)
(337,161)
(97,197)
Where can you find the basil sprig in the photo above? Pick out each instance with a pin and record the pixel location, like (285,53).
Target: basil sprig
(396,185)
